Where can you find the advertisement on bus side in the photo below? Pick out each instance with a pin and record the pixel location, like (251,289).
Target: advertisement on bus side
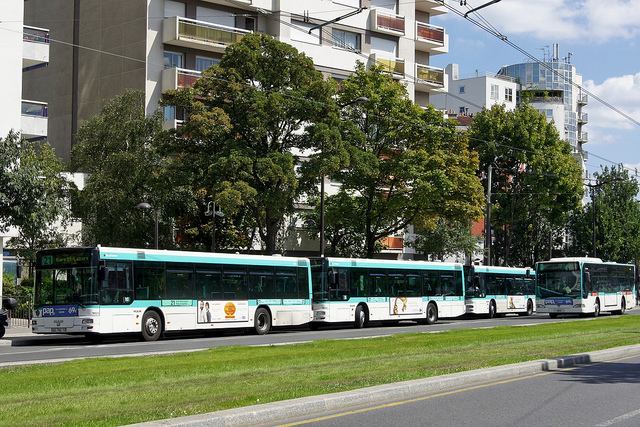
(222,311)
(405,305)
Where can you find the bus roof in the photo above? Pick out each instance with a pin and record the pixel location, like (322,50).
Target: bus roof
(503,270)
(388,263)
(132,254)
(582,260)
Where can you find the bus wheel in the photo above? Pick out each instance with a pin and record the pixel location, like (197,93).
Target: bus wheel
(623,308)
(2,330)
(553,315)
(596,309)
(361,317)
(432,313)
(529,311)
(262,321)
(151,326)
(492,309)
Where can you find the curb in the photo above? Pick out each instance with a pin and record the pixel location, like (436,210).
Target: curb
(308,407)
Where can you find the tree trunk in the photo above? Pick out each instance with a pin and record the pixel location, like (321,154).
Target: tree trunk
(271,236)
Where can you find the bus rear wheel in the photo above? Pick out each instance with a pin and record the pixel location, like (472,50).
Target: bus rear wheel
(596,309)
(492,310)
(529,311)
(262,321)
(151,326)
(432,313)
(623,307)
(361,317)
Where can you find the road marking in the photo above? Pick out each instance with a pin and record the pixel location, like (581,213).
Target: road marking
(275,344)
(461,390)
(38,351)
(619,419)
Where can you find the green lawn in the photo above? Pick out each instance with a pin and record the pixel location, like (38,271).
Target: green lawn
(127,390)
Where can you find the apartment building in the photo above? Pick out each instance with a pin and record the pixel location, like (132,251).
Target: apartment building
(552,87)
(470,94)
(102,48)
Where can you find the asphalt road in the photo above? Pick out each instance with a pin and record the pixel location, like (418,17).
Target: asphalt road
(602,394)
(39,349)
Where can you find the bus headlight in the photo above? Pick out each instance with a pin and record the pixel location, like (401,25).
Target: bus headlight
(85,321)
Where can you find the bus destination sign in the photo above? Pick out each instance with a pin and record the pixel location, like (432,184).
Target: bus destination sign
(65,259)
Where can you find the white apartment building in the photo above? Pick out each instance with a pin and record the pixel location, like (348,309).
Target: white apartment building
(468,95)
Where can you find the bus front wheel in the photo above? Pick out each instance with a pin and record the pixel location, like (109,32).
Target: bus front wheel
(492,310)
(151,326)
(623,307)
(596,309)
(262,321)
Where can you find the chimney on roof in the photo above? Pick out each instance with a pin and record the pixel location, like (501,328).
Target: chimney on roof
(556,52)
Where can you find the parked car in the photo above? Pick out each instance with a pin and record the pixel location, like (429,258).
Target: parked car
(7,304)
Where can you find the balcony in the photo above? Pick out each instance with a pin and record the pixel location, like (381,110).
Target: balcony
(202,35)
(583,118)
(393,66)
(34,119)
(432,7)
(583,99)
(583,137)
(431,38)
(178,78)
(384,22)
(35,47)
(429,78)
(393,243)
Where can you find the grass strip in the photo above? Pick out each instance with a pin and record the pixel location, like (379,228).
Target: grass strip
(127,390)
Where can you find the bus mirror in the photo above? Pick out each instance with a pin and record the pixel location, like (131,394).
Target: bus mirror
(587,279)
(333,277)
(102,273)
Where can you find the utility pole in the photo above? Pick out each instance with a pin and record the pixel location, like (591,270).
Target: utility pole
(487,224)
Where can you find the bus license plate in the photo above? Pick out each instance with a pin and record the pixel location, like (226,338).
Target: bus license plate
(58,329)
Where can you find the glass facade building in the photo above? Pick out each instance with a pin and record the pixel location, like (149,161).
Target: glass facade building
(551,85)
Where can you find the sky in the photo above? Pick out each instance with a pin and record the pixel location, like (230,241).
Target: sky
(603,37)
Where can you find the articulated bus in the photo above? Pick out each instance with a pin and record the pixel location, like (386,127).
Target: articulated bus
(495,291)
(363,290)
(101,290)
(584,285)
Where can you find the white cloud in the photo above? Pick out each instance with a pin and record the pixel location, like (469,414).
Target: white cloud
(624,93)
(592,20)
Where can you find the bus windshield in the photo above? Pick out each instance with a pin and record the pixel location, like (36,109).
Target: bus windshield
(76,285)
(561,279)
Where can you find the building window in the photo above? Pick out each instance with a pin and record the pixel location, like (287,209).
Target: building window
(508,94)
(463,110)
(346,39)
(461,89)
(203,62)
(494,92)
(173,60)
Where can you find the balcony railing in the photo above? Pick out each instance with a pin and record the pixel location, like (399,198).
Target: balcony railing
(583,99)
(35,109)
(199,34)
(431,75)
(583,137)
(387,22)
(395,66)
(187,78)
(35,34)
(583,118)
(429,33)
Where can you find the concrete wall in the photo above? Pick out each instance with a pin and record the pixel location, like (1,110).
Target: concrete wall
(11,12)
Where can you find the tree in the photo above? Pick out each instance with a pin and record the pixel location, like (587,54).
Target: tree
(120,150)
(536,181)
(616,218)
(248,118)
(445,238)
(33,195)
(406,165)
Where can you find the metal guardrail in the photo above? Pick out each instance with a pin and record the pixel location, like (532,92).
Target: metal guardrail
(35,34)
(21,315)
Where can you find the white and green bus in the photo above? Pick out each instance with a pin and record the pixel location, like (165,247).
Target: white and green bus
(360,291)
(102,290)
(494,291)
(584,286)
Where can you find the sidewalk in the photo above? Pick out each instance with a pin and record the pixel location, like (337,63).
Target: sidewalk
(314,406)
(15,332)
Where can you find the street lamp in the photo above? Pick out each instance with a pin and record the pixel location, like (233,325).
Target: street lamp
(213,212)
(359,100)
(147,206)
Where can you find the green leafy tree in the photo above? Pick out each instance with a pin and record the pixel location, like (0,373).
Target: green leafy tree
(406,165)
(34,195)
(615,210)
(248,118)
(445,238)
(536,181)
(120,149)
